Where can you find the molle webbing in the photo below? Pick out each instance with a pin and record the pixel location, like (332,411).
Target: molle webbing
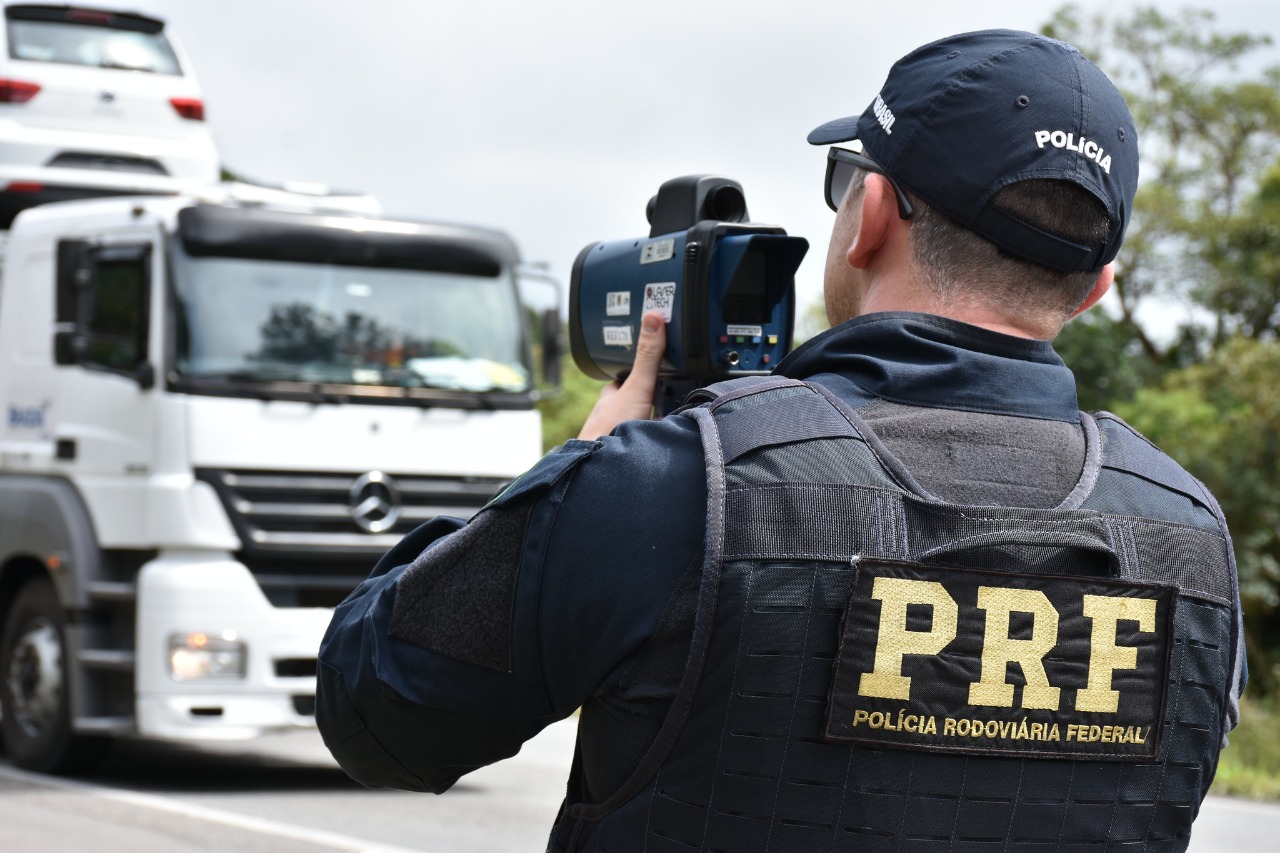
(771,518)
(772,522)
(743,766)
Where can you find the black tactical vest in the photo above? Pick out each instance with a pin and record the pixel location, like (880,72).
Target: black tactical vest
(873,670)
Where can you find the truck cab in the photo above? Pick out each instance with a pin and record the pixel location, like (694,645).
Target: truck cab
(217,417)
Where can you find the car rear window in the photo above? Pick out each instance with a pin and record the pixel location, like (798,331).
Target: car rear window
(89,37)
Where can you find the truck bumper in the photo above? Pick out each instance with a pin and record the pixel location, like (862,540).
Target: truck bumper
(181,595)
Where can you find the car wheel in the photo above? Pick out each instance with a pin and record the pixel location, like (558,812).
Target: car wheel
(34,686)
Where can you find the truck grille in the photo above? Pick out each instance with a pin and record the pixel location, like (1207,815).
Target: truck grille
(310,538)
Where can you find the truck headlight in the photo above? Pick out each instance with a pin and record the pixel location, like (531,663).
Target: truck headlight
(198,655)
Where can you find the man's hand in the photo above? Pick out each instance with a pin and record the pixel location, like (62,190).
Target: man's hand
(633,399)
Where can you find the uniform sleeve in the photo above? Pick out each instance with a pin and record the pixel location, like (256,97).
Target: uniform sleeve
(469,639)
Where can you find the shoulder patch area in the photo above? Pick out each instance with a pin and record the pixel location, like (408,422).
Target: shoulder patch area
(456,599)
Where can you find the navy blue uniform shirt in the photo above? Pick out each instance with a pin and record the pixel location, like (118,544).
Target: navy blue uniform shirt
(541,603)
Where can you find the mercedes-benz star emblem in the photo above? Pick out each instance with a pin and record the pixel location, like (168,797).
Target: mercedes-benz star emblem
(375,502)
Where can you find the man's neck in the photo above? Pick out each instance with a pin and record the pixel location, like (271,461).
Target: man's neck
(905,294)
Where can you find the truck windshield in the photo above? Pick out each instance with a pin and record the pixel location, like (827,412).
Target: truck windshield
(252,321)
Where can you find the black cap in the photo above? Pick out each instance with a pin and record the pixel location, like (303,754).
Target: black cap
(963,117)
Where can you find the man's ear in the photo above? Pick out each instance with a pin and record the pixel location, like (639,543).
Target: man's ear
(879,212)
(1100,288)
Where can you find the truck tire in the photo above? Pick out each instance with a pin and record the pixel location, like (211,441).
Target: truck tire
(34,686)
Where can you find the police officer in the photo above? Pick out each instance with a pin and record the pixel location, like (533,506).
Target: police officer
(899,595)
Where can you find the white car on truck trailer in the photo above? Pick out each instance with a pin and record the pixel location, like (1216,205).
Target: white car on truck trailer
(95,103)
(215,418)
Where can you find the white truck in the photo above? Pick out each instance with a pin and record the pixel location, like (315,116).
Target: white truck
(215,418)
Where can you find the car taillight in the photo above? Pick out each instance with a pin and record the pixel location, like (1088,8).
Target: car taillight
(17,91)
(192,108)
(89,16)
(24,187)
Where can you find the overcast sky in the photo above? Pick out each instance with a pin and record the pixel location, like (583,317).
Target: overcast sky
(557,120)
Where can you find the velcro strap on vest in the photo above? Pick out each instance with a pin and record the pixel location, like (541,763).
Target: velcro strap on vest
(733,388)
(1125,450)
(780,421)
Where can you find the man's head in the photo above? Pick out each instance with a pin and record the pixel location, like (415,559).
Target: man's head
(1019,158)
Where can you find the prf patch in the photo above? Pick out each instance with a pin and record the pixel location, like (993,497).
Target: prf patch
(993,663)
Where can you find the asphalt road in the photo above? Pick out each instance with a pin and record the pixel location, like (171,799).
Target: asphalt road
(284,794)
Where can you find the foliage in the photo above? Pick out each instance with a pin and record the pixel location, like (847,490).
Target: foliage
(1106,359)
(1250,766)
(1243,253)
(564,412)
(1207,136)
(1221,419)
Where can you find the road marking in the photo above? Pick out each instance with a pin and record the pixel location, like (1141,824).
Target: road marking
(320,837)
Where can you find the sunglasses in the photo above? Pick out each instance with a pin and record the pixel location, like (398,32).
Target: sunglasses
(843,164)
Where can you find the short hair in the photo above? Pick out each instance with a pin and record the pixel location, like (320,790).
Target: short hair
(958,262)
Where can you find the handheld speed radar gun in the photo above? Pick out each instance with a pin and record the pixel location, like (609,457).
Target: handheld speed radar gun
(725,286)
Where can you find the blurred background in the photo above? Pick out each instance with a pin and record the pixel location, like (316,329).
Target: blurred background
(556,121)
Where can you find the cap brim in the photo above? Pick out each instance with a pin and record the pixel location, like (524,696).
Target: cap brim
(837,130)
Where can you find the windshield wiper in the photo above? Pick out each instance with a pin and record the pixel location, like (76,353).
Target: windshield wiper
(255,383)
(242,376)
(266,385)
(124,66)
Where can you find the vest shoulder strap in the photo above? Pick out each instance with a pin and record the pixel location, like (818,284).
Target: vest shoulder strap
(733,388)
(761,411)
(1127,450)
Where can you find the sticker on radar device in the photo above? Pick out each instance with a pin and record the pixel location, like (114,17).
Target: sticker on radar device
(658,251)
(617,303)
(617,336)
(660,296)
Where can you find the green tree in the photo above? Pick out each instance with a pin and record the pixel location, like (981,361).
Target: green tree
(1208,133)
(1243,253)
(563,413)
(1221,419)
(1108,362)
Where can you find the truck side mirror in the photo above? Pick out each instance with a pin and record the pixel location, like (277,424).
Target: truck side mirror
(539,288)
(74,275)
(146,375)
(69,344)
(552,347)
